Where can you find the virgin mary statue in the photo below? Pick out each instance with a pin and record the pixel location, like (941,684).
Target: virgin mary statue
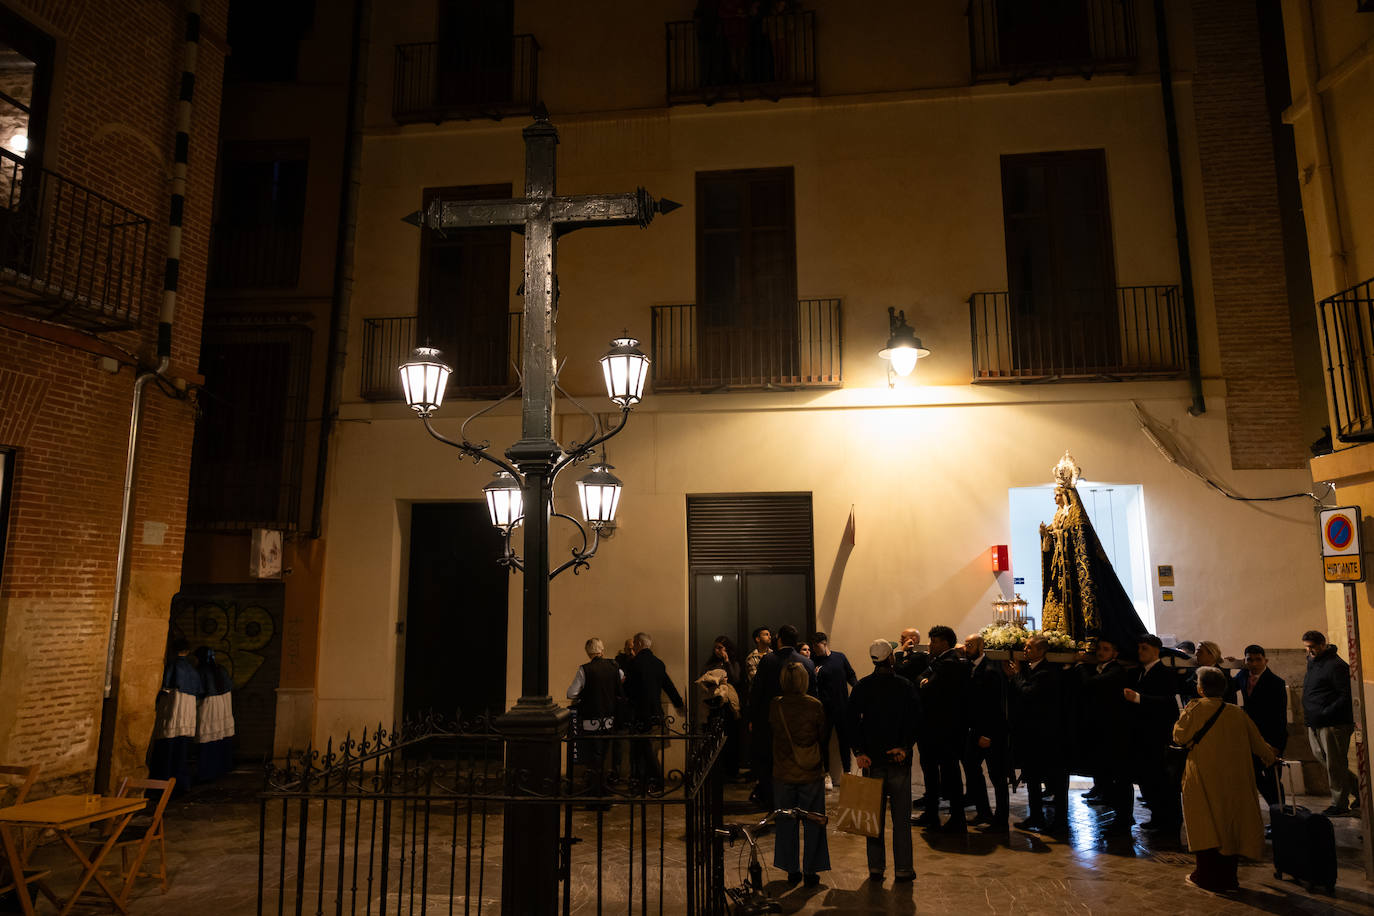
(1083,596)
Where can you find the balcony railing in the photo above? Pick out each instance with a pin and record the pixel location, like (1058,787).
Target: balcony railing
(1013,40)
(1347,332)
(764,57)
(440,82)
(255,257)
(788,347)
(481,367)
(1128,332)
(67,253)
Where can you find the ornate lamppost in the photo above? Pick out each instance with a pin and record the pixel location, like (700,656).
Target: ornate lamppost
(521,494)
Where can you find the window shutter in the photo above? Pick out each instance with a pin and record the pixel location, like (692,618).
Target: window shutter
(749,530)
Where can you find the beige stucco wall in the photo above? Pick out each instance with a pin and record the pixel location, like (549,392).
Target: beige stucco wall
(898,202)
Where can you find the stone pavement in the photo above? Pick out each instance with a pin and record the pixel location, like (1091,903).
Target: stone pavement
(213,838)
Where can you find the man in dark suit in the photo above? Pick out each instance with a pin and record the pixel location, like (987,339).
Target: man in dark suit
(987,736)
(1153,696)
(645,681)
(944,696)
(1105,734)
(766,686)
(910,661)
(1265,696)
(1037,691)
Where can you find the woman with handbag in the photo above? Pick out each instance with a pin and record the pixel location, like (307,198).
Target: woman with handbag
(798,722)
(1219,806)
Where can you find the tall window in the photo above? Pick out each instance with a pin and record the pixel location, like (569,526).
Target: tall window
(26,57)
(752,565)
(1060,272)
(261,215)
(746,276)
(1044,31)
(265,36)
(464,307)
(250,438)
(476,52)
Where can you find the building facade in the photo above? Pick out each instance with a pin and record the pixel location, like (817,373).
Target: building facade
(1005,180)
(109,114)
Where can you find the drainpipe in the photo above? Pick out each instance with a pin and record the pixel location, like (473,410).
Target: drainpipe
(1185,260)
(164,324)
(343,254)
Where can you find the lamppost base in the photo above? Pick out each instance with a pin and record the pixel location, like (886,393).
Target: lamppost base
(534,729)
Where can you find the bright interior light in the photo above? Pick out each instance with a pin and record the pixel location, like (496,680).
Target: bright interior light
(504,500)
(424,379)
(599,493)
(19,143)
(904,359)
(626,368)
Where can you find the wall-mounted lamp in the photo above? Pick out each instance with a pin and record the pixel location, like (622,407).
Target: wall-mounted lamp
(903,347)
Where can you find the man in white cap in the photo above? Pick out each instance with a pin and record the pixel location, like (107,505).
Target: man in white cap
(883,717)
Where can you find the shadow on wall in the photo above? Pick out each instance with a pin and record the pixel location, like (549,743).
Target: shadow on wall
(825,613)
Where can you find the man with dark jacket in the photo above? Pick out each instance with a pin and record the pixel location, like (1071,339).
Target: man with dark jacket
(1105,735)
(834,677)
(1330,718)
(987,736)
(1037,694)
(911,662)
(883,717)
(767,685)
(944,696)
(1153,696)
(596,689)
(645,682)
(1265,696)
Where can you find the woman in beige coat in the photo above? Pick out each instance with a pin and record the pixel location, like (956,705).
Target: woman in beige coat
(1220,808)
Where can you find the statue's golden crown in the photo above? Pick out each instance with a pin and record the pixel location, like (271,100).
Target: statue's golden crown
(1067,472)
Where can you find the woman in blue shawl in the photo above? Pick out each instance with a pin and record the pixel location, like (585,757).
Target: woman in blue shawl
(175,729)
(215,721)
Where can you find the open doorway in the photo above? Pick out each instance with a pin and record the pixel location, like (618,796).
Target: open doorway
(1117,512)
(454,635)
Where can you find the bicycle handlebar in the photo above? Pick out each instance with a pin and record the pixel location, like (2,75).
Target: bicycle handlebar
(733,830)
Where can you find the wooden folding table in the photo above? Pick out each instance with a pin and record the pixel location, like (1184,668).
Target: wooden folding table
(62,814)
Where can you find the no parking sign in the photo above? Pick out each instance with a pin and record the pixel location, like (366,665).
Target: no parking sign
(1341,555)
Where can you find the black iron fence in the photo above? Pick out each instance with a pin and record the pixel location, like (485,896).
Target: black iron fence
(437,81)
(406,821)
(1126,332)
(788,345)
(1013,40)
(68,253)
(483,364)
(741,58)
(1347,333)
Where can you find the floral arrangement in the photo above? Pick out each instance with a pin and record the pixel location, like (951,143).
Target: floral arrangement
(1004,636)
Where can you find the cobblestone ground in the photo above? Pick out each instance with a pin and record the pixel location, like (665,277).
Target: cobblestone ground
(212,839)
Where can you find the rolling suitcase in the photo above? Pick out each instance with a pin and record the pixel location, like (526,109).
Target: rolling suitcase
(1304,843)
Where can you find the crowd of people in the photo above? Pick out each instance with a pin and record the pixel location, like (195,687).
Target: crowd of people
(796,712)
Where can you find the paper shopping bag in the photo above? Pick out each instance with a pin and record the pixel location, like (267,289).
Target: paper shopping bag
(859,809)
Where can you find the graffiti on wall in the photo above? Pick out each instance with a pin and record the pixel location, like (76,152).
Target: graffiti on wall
(243,624)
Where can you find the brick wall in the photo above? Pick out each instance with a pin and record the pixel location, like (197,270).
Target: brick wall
(111,128)
(1242,208)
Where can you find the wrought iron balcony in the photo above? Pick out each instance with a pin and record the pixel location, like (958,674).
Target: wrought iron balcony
(795,346)
(67,253)
(1347,333)
(1014,40)
(482,367)
(438,82)
(1126,332)
(766,57)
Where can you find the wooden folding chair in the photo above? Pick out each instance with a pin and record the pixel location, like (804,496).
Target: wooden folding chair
(14,790)
(138,838)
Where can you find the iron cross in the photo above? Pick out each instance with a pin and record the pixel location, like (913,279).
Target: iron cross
(542,216)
